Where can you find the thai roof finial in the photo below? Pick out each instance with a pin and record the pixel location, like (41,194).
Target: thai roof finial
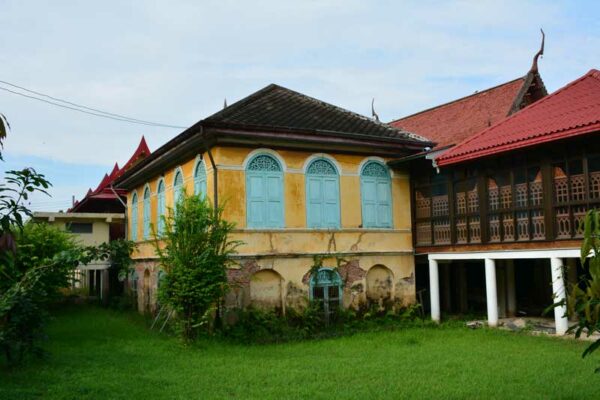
(225,103)
(373,113)
(534,66)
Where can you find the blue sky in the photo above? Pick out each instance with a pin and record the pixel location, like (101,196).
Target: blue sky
(175,62)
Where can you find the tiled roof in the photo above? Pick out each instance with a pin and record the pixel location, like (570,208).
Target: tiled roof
(571,110)
(276,107)
(453,122)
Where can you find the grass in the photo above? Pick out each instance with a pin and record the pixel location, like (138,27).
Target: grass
(102,354)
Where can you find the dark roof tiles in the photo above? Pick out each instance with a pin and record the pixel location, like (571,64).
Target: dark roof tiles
(278,107)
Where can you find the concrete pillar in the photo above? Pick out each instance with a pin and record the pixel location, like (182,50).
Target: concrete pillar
(462,288)
(434,290)
(490,291)
(511,292)
(558,289)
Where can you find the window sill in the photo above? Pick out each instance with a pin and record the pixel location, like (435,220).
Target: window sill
(313,230)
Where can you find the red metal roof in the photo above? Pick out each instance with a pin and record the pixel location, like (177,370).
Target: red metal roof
(570,111)
(453,122)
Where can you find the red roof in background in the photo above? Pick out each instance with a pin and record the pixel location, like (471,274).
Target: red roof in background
(570,111)
(142,151)
(104,191)
(453,122)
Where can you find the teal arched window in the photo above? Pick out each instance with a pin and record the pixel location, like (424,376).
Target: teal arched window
(133,280)
(200,179)
(322,195)
(177,188)
(146,213)
(161,278)
(326,289)
(160,197)
(376,195)
(134,217)
(264,192)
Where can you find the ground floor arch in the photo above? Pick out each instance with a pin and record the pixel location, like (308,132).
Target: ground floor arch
(380,283)
(266,289)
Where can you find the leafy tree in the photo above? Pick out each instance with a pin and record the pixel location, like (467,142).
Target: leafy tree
(33,263)
(583,297)
(31,279)
(194,252)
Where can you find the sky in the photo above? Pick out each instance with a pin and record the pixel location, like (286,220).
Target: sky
(174,62)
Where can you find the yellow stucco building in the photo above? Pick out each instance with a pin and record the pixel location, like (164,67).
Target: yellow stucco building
(300,179)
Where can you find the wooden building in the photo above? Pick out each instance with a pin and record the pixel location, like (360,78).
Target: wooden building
(500,213)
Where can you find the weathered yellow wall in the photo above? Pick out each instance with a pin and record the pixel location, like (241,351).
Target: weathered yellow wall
(231,186)
(290,251)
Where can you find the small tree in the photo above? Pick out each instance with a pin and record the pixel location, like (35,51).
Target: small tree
(194,252)
(31,279)
(583,297)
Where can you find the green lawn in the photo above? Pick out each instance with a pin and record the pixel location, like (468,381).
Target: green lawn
(100,354)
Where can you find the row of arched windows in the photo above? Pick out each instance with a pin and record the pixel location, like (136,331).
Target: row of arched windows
(199,189)
(265,203)
(265,199)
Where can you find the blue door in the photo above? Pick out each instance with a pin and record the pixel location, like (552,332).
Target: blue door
(200,179)
(161,207)
(264,193)
(376,196)
(322,195)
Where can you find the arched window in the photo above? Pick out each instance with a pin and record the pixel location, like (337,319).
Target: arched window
(376,195)
(322,195)
(134,217)
(146,213)
(133,280)
(177,188)
(264,192)
(200,179)
(326,289)
(161,278)
(161,206)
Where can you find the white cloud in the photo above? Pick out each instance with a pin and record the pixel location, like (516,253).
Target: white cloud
(174,62)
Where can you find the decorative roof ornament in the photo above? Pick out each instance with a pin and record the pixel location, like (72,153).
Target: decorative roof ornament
(373,113)
(225,103)
(534,66)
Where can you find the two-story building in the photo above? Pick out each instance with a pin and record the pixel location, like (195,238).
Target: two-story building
(301,179)
(498,216)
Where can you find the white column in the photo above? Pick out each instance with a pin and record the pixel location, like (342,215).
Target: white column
(434,290)
(490,291)
(511,293)
(558,289)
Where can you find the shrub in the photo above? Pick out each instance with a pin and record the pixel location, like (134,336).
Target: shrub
(32,278)
(271,326)
(194,252)
(583,297)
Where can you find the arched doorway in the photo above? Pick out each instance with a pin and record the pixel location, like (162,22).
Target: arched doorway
(266,289)
(380,283)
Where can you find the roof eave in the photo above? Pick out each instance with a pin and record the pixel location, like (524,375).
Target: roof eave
(197,142)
